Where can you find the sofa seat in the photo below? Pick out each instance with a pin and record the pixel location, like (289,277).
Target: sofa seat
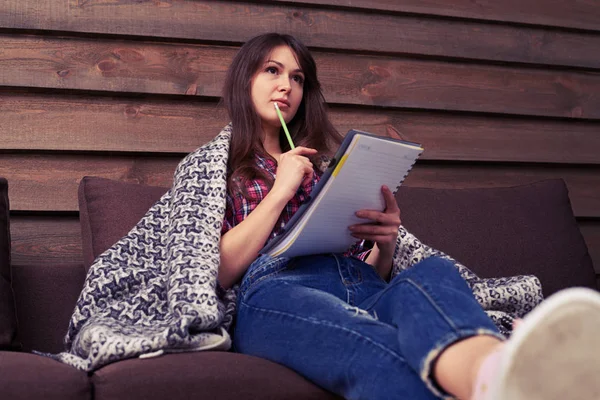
(202,375)
(26,376)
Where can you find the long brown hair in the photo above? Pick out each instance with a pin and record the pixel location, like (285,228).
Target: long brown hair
(310,126)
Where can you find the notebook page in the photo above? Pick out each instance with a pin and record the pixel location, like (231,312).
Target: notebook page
(371,163)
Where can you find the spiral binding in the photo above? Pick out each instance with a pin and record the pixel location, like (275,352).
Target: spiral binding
(405,175)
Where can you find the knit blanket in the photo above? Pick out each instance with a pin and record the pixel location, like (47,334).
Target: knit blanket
(155,291)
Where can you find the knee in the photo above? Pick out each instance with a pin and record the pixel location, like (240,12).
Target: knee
(436,263)
(436,268)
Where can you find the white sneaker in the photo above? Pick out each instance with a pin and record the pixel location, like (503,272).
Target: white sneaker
(555,352)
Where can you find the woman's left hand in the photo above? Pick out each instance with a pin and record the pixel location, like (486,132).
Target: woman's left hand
(383,226)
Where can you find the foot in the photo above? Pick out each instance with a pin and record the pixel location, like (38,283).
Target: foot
(553,355)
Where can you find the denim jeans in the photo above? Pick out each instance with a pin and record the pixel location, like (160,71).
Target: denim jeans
(335,321)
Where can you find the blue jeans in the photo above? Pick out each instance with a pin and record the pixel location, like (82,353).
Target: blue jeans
(334,320)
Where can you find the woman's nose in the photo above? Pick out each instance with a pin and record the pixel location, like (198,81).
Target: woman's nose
(284,85)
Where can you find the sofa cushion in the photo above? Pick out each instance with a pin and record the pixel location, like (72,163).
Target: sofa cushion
(108,210)
(202,375)
(8,320)
(28,376)
(44,312)
(528,229)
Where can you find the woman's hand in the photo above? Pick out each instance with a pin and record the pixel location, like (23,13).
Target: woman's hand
(383,227)
(293,169)
(383,230)
(241,245)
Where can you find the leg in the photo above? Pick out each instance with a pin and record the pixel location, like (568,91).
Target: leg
(322,338)
(434,311)
(552,355)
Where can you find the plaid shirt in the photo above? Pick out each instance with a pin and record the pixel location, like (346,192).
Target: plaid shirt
(238,207)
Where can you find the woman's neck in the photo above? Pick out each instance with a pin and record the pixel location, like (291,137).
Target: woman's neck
(271,143)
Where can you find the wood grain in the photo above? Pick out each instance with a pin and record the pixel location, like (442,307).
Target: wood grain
(460,87)
(103,123)
(463,137)
(569,14)
(324,28)
(45,240)
(49,182)
(116,66)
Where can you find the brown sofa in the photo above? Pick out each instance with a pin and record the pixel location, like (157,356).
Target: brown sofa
(497,232)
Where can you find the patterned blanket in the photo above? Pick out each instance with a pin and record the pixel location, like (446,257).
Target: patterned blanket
(155,291)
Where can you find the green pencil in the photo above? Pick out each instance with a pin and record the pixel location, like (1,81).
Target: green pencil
(285,129)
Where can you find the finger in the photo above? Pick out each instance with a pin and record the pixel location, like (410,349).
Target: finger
(301,150)
(307,163)
(382,218)
(308,172)
(301,161)
(391,205)
(308,177)
(306,166)
(371,229)
(376,238)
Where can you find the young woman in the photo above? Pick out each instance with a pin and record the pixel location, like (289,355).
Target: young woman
(338,319)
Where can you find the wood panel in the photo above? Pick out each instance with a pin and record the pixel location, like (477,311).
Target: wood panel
(69,122)
(338,29)
(582,14)
(590,229)
(45,240)
(483,138)
(469,80)
(49,182)
(78,122)
(116,66)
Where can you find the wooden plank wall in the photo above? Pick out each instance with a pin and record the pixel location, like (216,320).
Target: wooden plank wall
(500,93)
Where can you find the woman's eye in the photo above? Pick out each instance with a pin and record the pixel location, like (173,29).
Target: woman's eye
(271,70)
(298,79)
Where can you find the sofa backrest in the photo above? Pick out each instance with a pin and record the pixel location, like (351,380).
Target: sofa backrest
(499,232)
(528,229)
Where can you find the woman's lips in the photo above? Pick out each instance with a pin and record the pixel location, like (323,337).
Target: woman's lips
(282,104)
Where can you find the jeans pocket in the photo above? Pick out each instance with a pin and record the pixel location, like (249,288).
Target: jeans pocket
(262,268)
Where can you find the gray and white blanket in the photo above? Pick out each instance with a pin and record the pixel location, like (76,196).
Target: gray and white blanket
(155,291)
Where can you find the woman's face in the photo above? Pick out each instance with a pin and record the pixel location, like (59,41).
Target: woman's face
(279,80)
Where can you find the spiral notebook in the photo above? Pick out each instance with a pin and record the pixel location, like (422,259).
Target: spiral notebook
(363,163)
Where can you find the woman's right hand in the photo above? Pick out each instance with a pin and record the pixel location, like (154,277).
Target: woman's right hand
(293,169)
(241,245)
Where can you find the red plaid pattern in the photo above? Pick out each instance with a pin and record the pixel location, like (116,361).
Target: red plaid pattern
(238,207)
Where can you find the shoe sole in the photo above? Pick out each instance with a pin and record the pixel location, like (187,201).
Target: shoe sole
(555,353)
